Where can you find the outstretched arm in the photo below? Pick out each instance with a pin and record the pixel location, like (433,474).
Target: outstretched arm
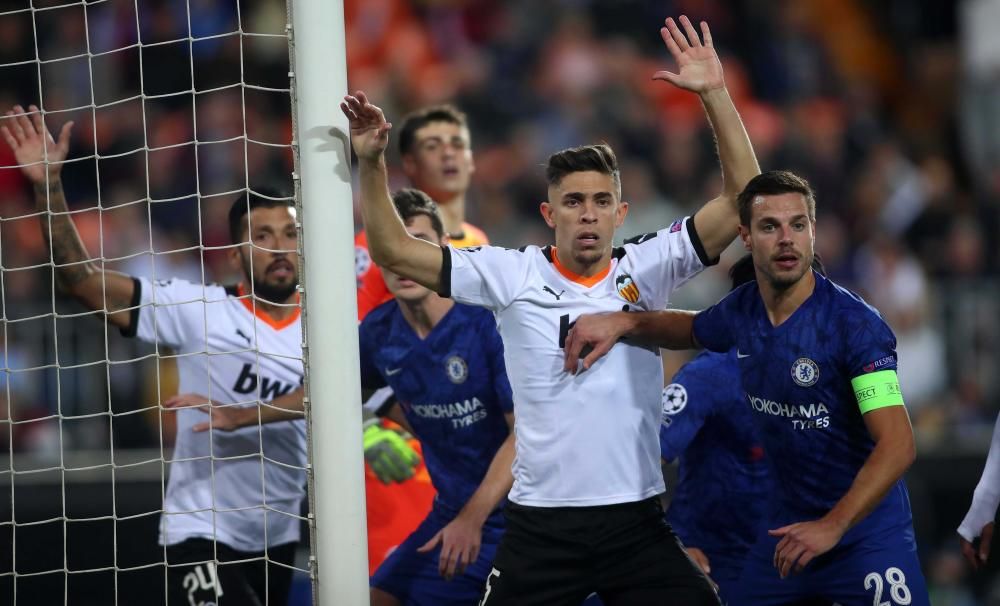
(386,452)
(228,418)
(389,243)
(597,333)
(41,159)
(717,222)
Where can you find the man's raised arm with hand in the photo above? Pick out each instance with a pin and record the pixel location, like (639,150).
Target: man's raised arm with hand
(700,71)
(390,245)
(41,159)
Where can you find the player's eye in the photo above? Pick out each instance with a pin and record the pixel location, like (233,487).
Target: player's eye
(767,227)
(799,226)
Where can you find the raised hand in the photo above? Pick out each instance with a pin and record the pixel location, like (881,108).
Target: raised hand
(33,144)
(700,70)
(369,129)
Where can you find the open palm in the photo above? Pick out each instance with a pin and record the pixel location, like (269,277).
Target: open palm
(699,67)
(33,145)
(369,129)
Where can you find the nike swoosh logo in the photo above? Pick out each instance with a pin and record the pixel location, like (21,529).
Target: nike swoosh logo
(392,371)
(741,355)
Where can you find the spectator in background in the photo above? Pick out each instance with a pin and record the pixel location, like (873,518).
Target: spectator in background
(894,283)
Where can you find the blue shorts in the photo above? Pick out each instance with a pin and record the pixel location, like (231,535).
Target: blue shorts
(724,575)
(879,569)
(413,577)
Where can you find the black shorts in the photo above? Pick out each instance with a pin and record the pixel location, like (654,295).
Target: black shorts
(201,572)
(626,553)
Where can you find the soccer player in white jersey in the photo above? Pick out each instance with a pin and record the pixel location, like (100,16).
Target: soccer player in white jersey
(584,512)
(239,346)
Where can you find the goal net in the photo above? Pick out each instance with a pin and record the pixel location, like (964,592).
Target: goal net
(179,108)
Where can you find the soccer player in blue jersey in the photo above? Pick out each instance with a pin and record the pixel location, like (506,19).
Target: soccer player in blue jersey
(444,361)
(818,367)
(723,482)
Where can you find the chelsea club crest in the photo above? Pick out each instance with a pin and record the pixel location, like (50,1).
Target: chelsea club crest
(805,372)
(457,369)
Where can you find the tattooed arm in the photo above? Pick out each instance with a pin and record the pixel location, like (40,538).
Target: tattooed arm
(41,159)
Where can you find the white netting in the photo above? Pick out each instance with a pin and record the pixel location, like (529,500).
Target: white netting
(179,107)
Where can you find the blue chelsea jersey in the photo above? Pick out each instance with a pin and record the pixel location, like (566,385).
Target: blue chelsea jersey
(797,384)
(452,386)
(723,482)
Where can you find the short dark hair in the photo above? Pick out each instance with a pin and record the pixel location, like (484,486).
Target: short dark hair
(774,182)
(412,202)
(421,118)
(743,270)
(260,197)
(600,158)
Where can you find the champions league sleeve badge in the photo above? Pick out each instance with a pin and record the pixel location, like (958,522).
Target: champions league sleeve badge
(675,398)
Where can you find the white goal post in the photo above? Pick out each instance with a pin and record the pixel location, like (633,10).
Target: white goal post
(323,146)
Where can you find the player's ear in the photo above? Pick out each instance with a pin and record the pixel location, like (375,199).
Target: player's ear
(745,236)
(236,258)
(621,213)
(546,209)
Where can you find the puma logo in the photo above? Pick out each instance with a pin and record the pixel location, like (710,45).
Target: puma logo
(242,334)
(552,292)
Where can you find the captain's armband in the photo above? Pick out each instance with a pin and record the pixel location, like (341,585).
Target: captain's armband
(877,390)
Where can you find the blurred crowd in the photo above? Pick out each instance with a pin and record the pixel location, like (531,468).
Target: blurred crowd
(891,108)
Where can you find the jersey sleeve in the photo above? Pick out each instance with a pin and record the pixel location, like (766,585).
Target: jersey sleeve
(498,368)
(870,354)
(172,312)
(686,405)
(485,276)
(712,326)
(986,497)
(371,378)
(870,343)
(666,259)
